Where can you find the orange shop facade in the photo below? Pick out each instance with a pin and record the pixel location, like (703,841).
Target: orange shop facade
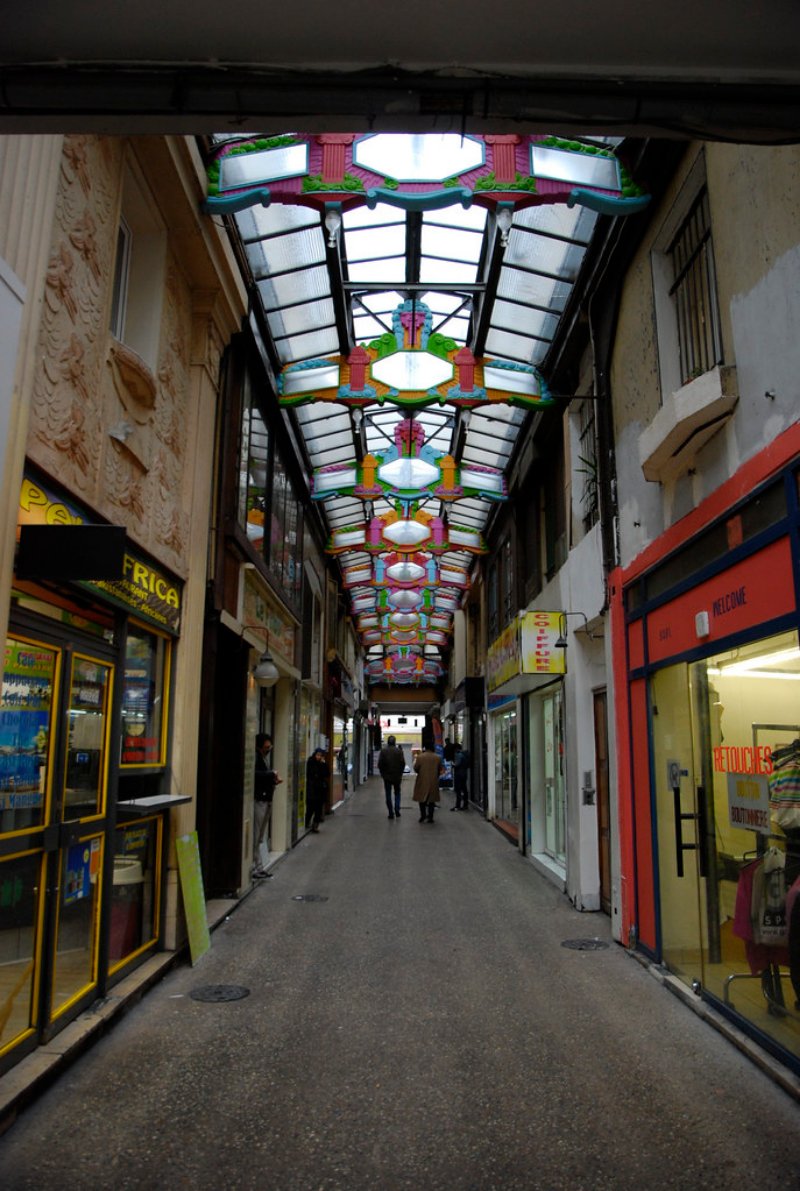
(708,742)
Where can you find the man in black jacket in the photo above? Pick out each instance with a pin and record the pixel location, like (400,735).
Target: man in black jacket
(391,767)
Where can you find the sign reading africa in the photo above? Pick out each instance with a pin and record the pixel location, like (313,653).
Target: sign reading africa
(143,588)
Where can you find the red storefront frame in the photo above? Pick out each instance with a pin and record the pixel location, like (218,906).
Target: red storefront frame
(767,578)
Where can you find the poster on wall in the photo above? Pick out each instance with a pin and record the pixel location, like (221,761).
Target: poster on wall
(27,694)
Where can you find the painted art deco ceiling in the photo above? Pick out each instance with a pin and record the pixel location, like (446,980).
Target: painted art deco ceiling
(411,286)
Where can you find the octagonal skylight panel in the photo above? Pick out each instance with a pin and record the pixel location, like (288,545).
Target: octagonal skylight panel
(406,637)
(405,600)
(404,620)
(407,533)
(405,572)
(410,157)
(406,473)
(412,371)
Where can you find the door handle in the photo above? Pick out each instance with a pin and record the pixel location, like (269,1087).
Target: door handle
(682,817)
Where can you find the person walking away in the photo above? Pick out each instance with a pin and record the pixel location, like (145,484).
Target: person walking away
(264,782)
(316,788)
(427,767)
(460,775)
(391,766)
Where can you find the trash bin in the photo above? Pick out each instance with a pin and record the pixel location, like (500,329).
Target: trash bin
(127,897)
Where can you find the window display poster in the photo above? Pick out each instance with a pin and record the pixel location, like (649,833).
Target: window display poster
(27,695)
(748,802)
(77,872)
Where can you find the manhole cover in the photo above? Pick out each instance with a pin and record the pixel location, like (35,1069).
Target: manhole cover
(309,897)
(585,944)
(219,992)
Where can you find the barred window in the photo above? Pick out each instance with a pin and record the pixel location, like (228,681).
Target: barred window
(587,463)
(694,291)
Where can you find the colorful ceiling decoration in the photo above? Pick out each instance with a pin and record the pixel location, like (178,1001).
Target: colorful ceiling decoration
(406,534)
(338,171)
(413,366)
(412,572)
(409,288)
(408,469)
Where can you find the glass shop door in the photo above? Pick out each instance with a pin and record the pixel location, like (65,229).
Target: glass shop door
(54,751)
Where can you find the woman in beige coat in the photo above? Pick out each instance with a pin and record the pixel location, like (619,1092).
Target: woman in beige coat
(427,767)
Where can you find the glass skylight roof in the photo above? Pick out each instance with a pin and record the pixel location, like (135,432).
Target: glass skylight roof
(319,298)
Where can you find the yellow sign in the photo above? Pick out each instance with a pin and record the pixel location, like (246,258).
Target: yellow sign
(194,901)
(502,662)
(540,654)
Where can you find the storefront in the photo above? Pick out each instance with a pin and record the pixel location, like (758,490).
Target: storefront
(84,764)
(526,736)
(714,729)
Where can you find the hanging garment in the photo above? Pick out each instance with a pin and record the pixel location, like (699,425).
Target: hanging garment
(784,786)
(759,955)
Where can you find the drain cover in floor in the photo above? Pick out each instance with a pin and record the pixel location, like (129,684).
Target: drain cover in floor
(309,897)
(585,944)
(219,992)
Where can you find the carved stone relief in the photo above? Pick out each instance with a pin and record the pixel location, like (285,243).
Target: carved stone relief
(66,414)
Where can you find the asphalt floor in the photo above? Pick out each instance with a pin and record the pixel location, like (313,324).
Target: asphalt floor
(408,1017)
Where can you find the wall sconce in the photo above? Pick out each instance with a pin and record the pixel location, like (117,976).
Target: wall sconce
(266,673)
(561,643)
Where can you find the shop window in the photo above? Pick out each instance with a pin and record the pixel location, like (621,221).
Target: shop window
(685,289)
(268,509)
(144,697)
(134,892)
(30,674)
(726,765)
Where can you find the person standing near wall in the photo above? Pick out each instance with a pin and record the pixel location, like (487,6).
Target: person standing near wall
(264,782)
(460,775)
(391,767)
(316,788)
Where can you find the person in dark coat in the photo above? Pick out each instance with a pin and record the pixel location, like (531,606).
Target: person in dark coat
(316,788)
(391,767)
(460,775)
(427,767)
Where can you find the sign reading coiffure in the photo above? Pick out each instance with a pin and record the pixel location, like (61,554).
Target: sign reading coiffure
(526,646)
(142,588)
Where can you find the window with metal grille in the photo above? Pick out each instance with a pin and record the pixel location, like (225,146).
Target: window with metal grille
(587,463)
(694,292)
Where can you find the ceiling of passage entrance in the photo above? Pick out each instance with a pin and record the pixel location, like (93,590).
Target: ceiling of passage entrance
(410,288)
(721,68)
